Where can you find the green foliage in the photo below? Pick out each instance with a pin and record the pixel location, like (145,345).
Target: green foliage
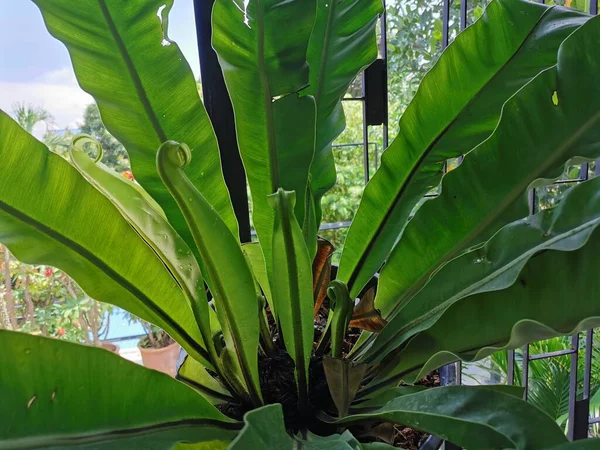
(506,95)
(115,155)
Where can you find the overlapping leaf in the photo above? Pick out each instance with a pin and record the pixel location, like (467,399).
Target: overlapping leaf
(261,46)
(62,395)
(232,283)
(456,107)
(341,45)
(496,265)
(264,428)
(472,417)
(544,125)
(292,288)
(532,309)
(49,214)
(146,217)
(145,90)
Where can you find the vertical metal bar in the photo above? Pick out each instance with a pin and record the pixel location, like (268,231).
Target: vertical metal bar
(531,200)
(587,374)
(365,133)
(594,7)
(583,171)
(445,23)
(384,55)
(573,410)
(525,376)
(219,108)
(510,367)
(463,14)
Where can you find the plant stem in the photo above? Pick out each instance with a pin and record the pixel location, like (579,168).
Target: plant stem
(29,302)
(342,311)
(265,332)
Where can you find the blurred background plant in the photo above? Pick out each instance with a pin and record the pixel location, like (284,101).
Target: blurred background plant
(549,378)
(43,300)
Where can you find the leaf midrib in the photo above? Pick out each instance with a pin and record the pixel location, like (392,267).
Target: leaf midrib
(296,302)
(86,438)
(104,268)
(267,99)
(135,78)
(325,54)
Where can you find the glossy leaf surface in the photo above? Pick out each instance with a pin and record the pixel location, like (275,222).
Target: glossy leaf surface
(264,65)
(489,190)
(292,287)
(528,311)
(196,376)
(145,90)
(232,283)
(265,429)
(138,208)
(472,417)
(58,218)
(497,264)
(453,110)
(341,45)
(63,395)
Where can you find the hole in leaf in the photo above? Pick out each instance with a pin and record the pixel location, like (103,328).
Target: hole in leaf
(555,98)
(31,400)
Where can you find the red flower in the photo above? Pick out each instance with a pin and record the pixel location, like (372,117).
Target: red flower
(60,331)
(127,174)
(48,272)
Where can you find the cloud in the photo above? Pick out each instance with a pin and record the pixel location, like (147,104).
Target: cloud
(56,91)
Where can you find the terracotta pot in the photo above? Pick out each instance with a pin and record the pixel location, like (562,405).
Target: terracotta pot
(161,359)
(110,347)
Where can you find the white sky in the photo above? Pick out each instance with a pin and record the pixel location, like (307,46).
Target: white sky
(35,68)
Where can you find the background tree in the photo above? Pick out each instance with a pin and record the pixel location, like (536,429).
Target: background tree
(115,155)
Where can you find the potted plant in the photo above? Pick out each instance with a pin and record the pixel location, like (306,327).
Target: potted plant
(158,350)
(460,277)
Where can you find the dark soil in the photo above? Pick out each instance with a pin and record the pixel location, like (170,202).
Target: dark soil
(277,383)
(408,438)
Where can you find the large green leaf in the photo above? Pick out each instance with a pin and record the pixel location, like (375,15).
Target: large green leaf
(62,395)
(49,214)
(145,216)
(256,261)
(532,309)
(232,283)
(292,288)
(264,64)
(341,45)
(456,107)
(196,376)
(545,124)
(265,429)
(472,417)
(145,90)
(496,265)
